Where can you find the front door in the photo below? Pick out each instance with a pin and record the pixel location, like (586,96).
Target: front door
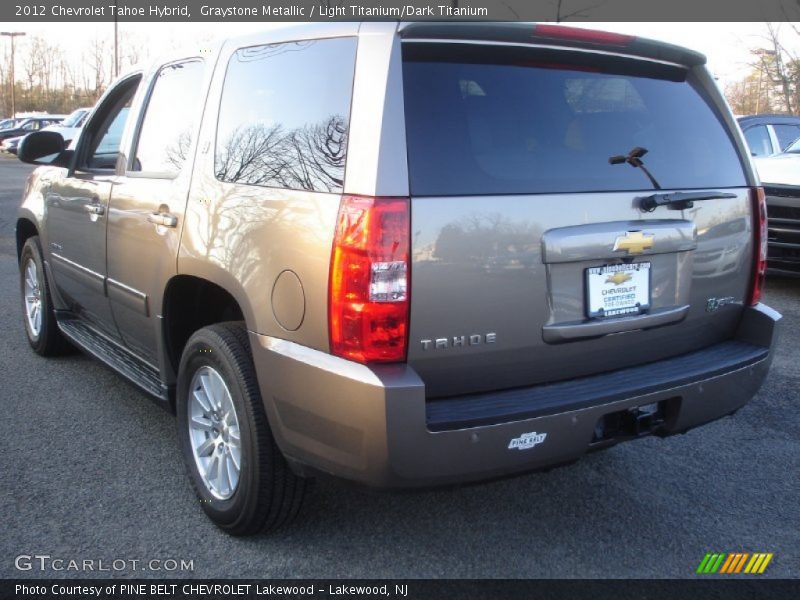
(77,211)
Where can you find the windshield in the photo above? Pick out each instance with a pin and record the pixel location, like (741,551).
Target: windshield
(507,121)
(794,147)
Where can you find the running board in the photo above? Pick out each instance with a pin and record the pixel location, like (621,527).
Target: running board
(112,355)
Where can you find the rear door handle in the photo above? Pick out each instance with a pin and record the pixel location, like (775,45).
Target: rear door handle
(95,209)
(163,219)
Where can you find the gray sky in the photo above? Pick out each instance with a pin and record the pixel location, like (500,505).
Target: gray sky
(726,44)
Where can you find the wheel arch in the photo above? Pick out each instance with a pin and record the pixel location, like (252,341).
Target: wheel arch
(25,229)
(190,303)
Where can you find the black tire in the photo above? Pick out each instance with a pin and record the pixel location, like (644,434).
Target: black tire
(268,494)
(49,340)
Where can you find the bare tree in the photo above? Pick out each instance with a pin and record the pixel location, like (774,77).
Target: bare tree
(132,50)
(782,68)
(97,58)
(773,84)
(308,158)
(48,81)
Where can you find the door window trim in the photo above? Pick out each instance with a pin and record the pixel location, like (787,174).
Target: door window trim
(102,114)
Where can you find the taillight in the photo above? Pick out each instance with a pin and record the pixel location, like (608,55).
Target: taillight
(577,34)
(369,280)
(760,241)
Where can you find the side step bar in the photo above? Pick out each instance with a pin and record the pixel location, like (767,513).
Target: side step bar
(111,354)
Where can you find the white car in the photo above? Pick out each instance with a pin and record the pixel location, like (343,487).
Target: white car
(71,125)
(781,169)
(68,128)
(780,176)
(10,145)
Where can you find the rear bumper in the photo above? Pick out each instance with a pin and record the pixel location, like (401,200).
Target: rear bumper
(374,425)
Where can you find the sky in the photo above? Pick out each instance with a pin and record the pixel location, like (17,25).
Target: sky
(725,44)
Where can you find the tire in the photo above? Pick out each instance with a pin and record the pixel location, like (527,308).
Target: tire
(265,494)
(41,328)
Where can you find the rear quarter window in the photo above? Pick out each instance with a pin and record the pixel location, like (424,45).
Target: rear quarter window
(284,115)
(510,121)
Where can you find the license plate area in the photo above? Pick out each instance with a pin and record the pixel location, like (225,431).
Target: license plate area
(617,290)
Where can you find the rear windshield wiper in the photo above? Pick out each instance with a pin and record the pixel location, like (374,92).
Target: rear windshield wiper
(634,159)
(679,200)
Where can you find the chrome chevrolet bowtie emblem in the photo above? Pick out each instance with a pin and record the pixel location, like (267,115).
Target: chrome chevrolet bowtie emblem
(635,242)
(619,277)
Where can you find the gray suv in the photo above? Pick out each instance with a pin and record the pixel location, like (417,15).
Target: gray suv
(405,255)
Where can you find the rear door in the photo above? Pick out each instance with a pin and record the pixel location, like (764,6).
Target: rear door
(147,203)
(533,260)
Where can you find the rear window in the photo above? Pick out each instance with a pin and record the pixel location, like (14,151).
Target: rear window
(284,115)
(486,120)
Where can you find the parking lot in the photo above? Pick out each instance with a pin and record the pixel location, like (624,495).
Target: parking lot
(91,470)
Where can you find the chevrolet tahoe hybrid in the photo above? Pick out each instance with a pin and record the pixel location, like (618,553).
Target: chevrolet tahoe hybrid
(404,254)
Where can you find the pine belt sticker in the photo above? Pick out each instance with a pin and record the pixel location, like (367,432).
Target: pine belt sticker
(526,441)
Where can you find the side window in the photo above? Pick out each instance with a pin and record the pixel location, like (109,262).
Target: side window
(30,126)
(786,134)
(758,140)
(284,115)
(101,137)
(109,142)
(169,119)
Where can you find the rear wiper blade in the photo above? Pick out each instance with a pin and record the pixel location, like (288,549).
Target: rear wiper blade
(679,200)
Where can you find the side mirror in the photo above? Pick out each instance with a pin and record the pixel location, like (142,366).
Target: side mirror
(42,148)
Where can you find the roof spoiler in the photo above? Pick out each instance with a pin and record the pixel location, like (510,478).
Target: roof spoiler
(553,35)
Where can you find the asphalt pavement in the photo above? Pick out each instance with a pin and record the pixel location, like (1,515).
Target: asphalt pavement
(91,471)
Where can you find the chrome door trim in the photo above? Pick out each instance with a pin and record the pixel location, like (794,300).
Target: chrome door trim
(81,274)
(127,296)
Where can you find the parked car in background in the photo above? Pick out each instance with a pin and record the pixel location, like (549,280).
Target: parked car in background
(68,129)
(782,169)
(71,125)
(780,176)
(10,145)
(252,264)
(8,123)
(767,135)
(29,125)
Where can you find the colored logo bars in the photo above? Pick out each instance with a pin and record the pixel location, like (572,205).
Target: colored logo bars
(737,562)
